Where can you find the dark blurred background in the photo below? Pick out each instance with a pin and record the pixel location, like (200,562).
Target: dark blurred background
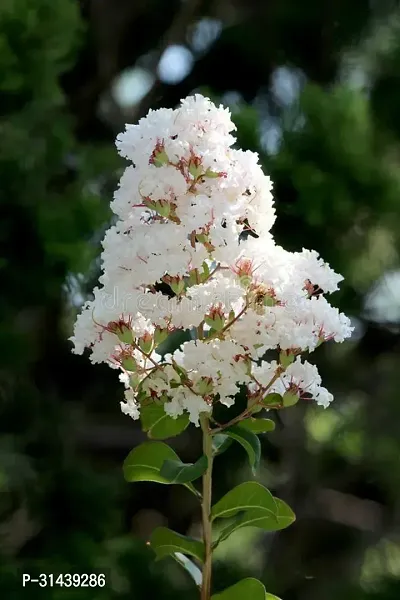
(314,88)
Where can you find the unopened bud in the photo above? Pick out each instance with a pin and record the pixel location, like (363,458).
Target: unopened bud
(134,380)
(163,208)
(177,285)
(211,174)
(201,237)
(269,301)
(215,318)
(149,203)
(204,386)
(195,168)
(146,342)
(290,398)
(194,278)
(248,364)
(286,358)
(122,331)
(272,399)
(160,335)
(245,281)
(129,363)
(159,158)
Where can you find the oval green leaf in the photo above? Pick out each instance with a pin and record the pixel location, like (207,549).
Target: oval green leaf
(159,425)
(261,519)
(166,542)
(178,472)
(257,425)
(250,443)
(144,463)
(249,587)
(244,497)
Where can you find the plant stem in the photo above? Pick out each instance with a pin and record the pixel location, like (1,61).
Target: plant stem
(247,412)
(206,510)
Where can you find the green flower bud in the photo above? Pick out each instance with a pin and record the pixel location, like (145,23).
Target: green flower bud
(195,169)
(201,237)
(124,333)
(177,285)
(160,335)
(160,158)
(269,301)
(204,386)
(129,363)
(215,321)
(286,358)
(290,398)
(163,208)
(146,343)
(134,380)
(194,277)
(211,174)
(273,398)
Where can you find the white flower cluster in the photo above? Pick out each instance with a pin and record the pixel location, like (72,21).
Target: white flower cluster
(192,249)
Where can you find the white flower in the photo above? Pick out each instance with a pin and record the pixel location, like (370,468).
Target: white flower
(192,249)
(130,407)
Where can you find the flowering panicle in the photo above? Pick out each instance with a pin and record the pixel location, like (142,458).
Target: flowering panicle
(185,207)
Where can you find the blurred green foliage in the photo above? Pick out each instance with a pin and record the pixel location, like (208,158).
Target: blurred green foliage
(63,504)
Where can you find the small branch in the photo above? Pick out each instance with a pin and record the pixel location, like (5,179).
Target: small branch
(218,333)
(247,412)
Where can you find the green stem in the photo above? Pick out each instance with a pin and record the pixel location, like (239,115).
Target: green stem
(206,509)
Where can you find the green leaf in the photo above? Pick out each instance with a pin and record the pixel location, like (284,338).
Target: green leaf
(166,542)
(257,425)
(159,425)
(190,567)
(249,587)
(272,398)
(220,443)
(144,463)
(250,443)
(285,514)
(246,496)
(260,518)
(178,472)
